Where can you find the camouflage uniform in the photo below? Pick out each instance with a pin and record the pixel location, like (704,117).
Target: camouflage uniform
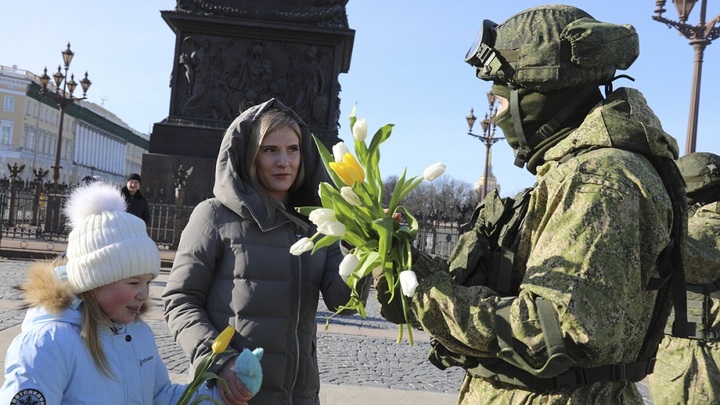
(687,370)
(597,221)
(593,231)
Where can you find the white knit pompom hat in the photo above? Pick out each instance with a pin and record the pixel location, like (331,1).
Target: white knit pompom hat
(106,244)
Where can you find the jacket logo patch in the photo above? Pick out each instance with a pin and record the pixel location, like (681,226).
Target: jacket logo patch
(145,360)
(28,397)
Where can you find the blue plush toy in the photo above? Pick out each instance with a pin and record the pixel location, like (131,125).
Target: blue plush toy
(248,369)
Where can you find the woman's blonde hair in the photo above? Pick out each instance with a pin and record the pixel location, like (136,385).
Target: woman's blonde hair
(270,121)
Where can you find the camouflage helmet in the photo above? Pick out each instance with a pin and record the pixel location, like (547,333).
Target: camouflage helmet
(552,47)
(700,170)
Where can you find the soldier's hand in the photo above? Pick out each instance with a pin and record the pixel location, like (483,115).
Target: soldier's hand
(390,310)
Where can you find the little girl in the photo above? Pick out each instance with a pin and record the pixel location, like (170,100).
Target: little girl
(82,341)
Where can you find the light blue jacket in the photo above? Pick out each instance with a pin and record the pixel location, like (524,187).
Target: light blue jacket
(49,359)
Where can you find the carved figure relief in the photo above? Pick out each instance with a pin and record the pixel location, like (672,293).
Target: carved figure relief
(223,77)
(196,60)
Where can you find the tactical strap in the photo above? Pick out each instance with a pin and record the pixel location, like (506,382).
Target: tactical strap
(670,264)
(705,289)
(558,360)
(522,152)
(572,378)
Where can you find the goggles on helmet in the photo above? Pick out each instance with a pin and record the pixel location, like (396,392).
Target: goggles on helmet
(485,58)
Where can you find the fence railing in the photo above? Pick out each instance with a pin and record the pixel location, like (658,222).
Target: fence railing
(24,217)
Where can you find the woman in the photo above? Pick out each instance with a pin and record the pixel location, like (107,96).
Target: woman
(233,263)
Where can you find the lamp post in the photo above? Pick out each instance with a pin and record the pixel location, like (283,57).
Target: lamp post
(488,136)
(63,98)
(700,36)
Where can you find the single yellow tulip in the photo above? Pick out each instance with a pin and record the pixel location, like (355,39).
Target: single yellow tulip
(223,340)
(349,170)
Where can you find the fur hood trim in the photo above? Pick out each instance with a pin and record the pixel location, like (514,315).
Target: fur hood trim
(44,288)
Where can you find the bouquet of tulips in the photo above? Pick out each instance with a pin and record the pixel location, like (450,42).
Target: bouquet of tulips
(352,210)
(202,375)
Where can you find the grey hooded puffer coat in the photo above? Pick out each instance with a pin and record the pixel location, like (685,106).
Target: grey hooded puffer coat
(233,266)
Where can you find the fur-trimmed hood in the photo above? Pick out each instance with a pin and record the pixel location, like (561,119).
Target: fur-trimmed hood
(48,288)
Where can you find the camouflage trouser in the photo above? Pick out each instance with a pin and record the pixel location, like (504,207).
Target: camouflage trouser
(687,372)
(480,391)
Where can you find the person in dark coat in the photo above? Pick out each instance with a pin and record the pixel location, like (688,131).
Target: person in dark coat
(136,202)
(233,263)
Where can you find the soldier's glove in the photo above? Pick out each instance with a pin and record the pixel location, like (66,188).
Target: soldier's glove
(390,310)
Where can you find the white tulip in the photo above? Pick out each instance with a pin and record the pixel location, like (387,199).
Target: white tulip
(339,151)
(332,228)
(322,215)
(408,282)
(348,264)
(301,246)
(434,171)
(360,130)
(349,195)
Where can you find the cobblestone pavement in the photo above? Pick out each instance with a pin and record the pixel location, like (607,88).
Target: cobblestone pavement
(363,353)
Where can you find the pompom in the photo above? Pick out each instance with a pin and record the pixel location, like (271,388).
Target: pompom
(92,199)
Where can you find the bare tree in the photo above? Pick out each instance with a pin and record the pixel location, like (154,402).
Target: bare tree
(445,196)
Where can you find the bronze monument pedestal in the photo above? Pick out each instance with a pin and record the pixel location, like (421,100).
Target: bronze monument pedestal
(230,55)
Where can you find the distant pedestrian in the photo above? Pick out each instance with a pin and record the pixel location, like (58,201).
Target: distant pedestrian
(136,202)
(82,341)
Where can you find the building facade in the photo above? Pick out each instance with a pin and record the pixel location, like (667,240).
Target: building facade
(95,142)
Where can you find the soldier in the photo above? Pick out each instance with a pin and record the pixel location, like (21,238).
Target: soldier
(687,368)
(561,294)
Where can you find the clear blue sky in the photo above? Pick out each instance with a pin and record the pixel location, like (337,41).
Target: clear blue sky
(407,68)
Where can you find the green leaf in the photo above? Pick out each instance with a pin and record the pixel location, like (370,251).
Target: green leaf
(384,227)
(326,240)
(397,192)
(413,182)
(369,261)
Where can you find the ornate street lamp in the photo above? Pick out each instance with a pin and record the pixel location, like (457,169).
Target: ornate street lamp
(488,136)
(700,36)
(63,98)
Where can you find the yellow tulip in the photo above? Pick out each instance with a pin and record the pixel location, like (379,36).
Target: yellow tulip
(349,170)
(223,340)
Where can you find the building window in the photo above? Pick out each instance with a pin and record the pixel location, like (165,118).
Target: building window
(6,129)
(9,104)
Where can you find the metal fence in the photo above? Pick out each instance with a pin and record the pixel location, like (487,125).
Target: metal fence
(24,216)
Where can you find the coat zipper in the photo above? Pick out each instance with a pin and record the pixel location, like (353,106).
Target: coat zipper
(298,235)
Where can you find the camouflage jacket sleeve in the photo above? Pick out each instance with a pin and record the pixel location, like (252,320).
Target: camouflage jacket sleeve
(594,229)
